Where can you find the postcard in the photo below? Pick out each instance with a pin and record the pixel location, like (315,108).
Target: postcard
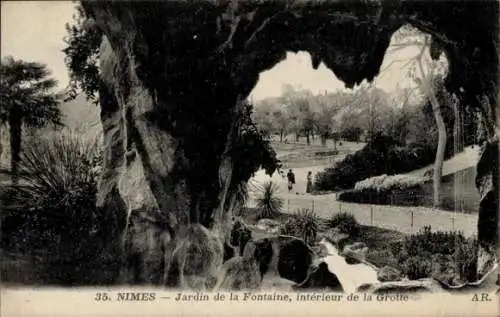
(254,158)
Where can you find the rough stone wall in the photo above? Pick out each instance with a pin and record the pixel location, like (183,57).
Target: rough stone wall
(173,72)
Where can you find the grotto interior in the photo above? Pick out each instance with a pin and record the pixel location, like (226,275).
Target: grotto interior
(174,74)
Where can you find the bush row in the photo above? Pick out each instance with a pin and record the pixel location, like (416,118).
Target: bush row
(446,256)
(382,155)
(413,196)
(389,182)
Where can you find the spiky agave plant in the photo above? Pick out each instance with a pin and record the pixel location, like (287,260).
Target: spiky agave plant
(56,192)
(268,202)
(303,224)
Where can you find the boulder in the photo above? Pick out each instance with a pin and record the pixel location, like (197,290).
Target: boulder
(241,272)
(320,278)
(339,239)
(427,285)
(240,235)
(283,256)
(148,251)
(269,225)
(294,258)
(355,253)
(320,250)
(389,274)
(198,257)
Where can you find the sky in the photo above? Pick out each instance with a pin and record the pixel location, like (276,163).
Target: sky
(34,31)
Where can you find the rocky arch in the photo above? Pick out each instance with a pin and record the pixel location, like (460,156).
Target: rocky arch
(175,71)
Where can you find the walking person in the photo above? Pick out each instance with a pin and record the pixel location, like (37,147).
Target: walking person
(309,182)
(291,180)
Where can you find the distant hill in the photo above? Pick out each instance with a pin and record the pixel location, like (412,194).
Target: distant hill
(81,116)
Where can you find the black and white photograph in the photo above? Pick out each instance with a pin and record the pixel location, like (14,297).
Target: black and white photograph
(270,150)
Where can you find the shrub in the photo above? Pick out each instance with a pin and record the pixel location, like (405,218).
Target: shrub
(417,267)
(385,182)
(381,258)
(346,223)
(410,196)
(428,242)
(53,206)
(452,256)
(444,269)
(302,224)
(382,155)
(268,203)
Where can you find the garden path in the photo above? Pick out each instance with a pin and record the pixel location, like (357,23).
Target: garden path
(403,219)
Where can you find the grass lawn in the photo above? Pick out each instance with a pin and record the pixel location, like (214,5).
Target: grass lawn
(300,154)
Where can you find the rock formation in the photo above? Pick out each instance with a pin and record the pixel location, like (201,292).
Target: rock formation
(174,74)
(320,279)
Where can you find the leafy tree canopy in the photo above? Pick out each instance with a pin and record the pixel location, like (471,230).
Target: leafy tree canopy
(26,91)
(82,55)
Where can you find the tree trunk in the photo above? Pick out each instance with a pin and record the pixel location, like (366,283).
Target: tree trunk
(323,140)
(335,144)
(281,136)
(307,138)
(15,125)
(438,164)
(296,137)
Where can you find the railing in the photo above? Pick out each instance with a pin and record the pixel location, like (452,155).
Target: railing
(406,219)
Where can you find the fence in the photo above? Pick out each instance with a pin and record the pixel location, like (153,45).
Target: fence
(406,219)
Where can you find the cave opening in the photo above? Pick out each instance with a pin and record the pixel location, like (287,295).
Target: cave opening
(293,100)
(185,84)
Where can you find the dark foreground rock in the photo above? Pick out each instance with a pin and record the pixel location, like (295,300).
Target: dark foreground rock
(320,278)
(240,235)
(273,260)
(294,258)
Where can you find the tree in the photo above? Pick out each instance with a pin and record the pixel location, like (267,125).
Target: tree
(263,118)
(402,115)
(365,109)
(301,115)
(82,55)
(442,136)
(281,122)
(27,99)
(326,107)
(405,38)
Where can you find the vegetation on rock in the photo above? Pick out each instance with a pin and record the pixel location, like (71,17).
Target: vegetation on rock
(303,224)
(345,223)
(446,256)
